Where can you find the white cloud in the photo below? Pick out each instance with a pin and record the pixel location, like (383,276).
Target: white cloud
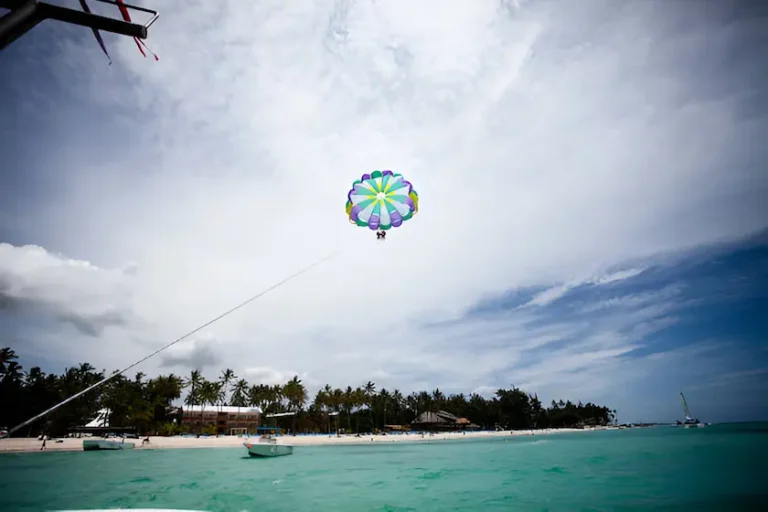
(554,293)
(621,275)
(548,141)
(73,291)
(550,295)
(272,376)
(265,375)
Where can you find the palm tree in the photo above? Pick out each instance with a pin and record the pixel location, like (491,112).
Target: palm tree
(438,398)
(227,376)
(12,372)
(137,401)
(7,355)
(321,400)
(259,396)
(296,394)
(348,401)
(385,399)
(413,405)
(164,389)
(358,400)
(425,402)
(240,394)
(194,382)
(210,393)
(276,398)
(369,391)
(397,403)
(324,401)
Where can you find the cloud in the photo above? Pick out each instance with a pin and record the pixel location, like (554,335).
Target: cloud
(621,275)
(265,375)
(71,291)
(752,376)
(550,295)
(549,142)
(197,354)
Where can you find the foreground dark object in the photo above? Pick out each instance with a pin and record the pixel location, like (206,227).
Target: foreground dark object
(26,14)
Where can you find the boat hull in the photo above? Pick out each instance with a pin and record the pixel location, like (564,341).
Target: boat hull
(268,449)
(102,444)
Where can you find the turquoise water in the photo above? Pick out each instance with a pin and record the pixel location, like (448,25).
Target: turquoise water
(723,467)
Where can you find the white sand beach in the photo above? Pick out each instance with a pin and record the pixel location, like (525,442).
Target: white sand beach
(157,442)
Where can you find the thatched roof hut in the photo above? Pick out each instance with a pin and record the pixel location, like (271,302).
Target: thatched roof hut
(440,420)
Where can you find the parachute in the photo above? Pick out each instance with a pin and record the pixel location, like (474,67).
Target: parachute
(380,201)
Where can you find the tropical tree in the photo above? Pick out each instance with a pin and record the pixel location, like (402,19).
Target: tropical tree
(296,395)
(194,382)
(240,394)
(7,361)
(227,376)
(145,403)
(369,391)
(210,393)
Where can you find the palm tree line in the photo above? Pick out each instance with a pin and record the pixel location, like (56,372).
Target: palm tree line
(145,403)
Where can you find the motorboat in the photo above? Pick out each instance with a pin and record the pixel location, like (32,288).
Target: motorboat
(106,444)
(267,446)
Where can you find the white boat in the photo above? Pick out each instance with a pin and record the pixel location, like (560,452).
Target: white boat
(105,444)
(690,421)
(267,447)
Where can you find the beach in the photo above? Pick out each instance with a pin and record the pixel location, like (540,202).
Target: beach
(180,442)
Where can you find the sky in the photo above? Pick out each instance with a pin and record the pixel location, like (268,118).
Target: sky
(592,224)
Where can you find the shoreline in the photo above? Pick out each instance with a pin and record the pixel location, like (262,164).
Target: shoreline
(30,445)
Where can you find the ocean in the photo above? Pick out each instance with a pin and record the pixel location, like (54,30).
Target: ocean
(721,467)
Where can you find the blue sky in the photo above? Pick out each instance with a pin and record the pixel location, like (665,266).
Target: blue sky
(695,324)
(592,217)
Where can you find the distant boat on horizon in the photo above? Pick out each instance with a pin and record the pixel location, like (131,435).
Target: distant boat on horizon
(690,421)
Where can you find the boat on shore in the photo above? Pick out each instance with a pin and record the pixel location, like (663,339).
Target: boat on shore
(106,444)
(690,421)
(267,446)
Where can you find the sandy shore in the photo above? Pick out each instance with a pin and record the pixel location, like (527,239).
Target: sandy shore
(67,444)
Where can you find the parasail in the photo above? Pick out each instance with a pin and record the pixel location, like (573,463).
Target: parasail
(381,200)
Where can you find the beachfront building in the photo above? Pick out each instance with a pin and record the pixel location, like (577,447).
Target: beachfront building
(396,428)
(441,421)
(227,419)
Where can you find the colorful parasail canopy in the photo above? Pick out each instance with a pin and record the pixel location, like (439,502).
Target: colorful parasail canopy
(381,200)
